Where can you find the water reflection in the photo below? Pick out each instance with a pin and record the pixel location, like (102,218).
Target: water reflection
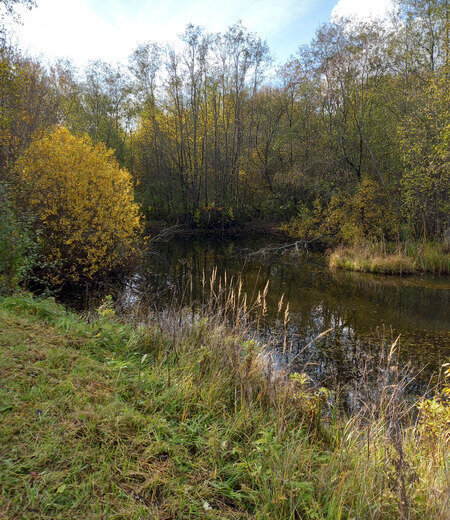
(363,311)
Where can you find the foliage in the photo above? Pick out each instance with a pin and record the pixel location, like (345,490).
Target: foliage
(210,217)
(434,416)
(17,249)
(351,216)
(7,7)
(83,202)
(302,150)
(355,124)
(425,140)
(30,102)
(308,222)
(368,214)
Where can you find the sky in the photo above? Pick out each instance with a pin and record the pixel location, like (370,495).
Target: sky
(83,30)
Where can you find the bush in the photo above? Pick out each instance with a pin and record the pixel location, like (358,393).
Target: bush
(211,217)
(16,246)
(83,202)
(364,212)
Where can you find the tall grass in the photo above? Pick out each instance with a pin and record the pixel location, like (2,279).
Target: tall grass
(402,258)
(191,420)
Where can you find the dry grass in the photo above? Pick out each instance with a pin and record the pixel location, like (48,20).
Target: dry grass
(181,417)
(392,259)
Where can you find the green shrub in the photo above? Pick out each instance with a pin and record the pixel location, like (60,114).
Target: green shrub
(16,244)
(211,217)
(352,215)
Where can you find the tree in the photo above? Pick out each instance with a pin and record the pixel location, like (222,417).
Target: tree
(29,101)
(83,202)
(7,7)
(425,139)
(425,26)
(104,97)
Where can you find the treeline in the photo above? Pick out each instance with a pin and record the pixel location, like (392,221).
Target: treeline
(349,139)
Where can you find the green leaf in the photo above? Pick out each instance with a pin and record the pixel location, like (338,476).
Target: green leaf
(61,488)
(6,408)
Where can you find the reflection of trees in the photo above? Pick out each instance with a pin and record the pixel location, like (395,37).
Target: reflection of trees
(354,306)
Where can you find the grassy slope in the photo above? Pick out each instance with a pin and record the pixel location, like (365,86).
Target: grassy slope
(90,429)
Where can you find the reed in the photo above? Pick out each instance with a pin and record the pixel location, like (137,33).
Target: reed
(399,259)
(181,414)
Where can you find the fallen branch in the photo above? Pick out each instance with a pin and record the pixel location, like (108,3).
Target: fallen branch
(282,248)
(165,234)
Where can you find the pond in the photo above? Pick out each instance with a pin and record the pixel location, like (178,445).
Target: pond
(365,313)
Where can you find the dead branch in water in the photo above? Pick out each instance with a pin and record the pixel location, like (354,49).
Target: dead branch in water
(283,248)
(167,233)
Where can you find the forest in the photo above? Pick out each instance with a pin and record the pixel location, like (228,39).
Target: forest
(348,140)
(182,335)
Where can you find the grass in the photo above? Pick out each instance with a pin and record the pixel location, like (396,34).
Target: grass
(183,419)
(425,257)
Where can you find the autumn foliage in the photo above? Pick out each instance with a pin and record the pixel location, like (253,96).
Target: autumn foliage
(86,219)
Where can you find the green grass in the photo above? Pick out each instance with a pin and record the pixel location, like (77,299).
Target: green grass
(425,257)
(106,420)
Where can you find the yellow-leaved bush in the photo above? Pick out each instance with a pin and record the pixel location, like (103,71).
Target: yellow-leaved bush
(83,202)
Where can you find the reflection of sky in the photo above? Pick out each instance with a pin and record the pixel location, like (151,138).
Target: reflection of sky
(364,312)
(110,29)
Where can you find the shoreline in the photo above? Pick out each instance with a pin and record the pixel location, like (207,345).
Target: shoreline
(150,414)
(392,259)
(257,227)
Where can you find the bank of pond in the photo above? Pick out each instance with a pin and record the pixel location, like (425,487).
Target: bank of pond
(362,313)
(182,416)
(393,259)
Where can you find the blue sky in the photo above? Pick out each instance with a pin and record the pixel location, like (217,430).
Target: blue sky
(109,29)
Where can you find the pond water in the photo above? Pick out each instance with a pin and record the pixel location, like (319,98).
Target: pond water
(365,312)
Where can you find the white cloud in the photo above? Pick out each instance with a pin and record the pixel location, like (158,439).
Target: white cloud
(66,29)
(361,8)
(76,30)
